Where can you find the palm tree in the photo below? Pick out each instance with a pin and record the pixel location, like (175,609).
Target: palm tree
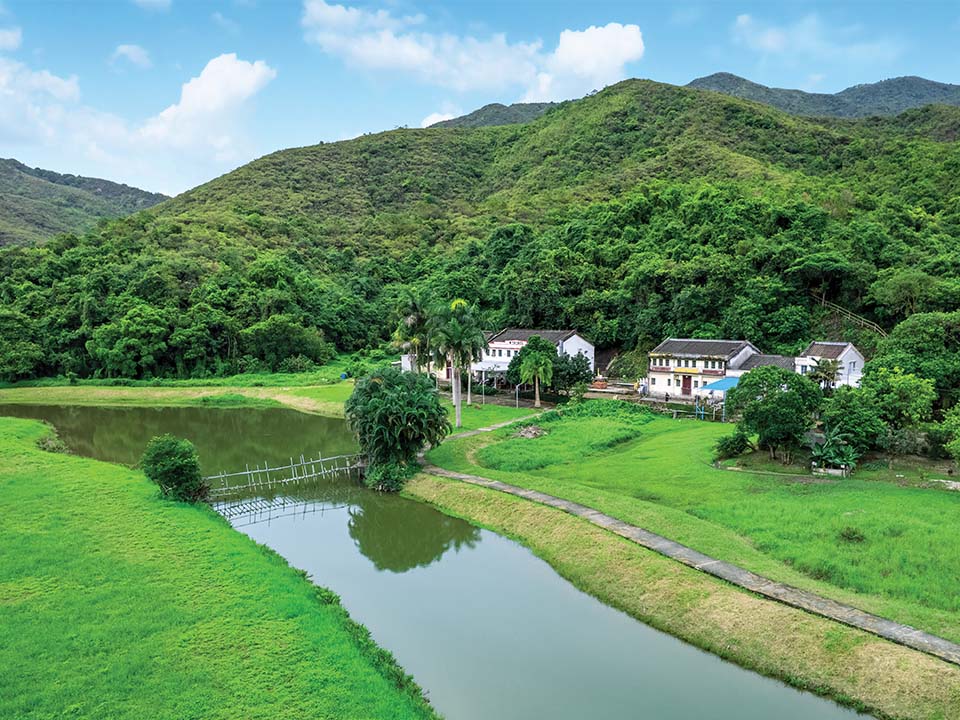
(825,372)
(412,335)
(457,339)
(536,366)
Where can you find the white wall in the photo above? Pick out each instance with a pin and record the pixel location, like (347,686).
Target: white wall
(576,344)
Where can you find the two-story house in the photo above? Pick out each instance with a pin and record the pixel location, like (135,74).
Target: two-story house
(504,345)
(850,360)
(681,367)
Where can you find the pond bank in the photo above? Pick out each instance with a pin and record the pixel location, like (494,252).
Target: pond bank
(116,603)
(809,652)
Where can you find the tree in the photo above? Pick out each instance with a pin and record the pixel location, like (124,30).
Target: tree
(173,464)
(570,371)
(824,372)
(536,367)
(19,354)
(777,405)
(535,344)
(457,338)
(904,400)
(280,337)
(394,416)
(951,428)
(412,335)
(855,413)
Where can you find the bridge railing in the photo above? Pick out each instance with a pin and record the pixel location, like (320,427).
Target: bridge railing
(267,479)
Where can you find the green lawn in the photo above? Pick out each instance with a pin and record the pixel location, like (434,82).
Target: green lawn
(117,604)
(478,416)
(806,533)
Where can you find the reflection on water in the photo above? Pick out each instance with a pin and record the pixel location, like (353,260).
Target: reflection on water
(489,630)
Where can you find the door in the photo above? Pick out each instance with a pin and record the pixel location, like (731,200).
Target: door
(686,384)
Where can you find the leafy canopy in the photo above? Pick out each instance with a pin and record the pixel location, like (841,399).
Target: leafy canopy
(173,464)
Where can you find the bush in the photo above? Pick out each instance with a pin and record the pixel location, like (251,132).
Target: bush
(388,477)
(395,415)
(297,364)
(731,446)
(852,535)
(173,464)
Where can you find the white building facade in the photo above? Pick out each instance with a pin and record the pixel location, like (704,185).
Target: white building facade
(503,346)
(851,360)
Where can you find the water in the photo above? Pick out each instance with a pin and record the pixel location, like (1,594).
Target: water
(488,629)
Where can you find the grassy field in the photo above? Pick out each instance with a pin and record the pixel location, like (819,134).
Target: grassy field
(805,650)
(887,548)
(116,604)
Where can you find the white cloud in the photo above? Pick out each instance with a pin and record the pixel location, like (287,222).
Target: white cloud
(153,4)
(10,39)
(810,39)
(132,53)
(379,40)
(436,117)
(587,60)
(225,23)
(190,141)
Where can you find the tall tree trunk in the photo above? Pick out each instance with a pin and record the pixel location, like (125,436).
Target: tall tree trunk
(469,383)
(536,392)
(456,396)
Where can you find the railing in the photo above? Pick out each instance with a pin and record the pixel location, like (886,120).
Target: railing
(843,312)
(266,479)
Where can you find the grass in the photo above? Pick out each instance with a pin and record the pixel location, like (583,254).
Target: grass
(115,603)
(807,651)
(478,416)
(796,531)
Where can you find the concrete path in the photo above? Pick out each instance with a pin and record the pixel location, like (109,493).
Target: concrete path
(491,428)
(898,633)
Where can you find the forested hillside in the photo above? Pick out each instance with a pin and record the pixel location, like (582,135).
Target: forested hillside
(497,114)
(37,204)
(642,211)
(887,97)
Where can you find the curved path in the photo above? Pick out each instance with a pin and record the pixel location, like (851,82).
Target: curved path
(902,634)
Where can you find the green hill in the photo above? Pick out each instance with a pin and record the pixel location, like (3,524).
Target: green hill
(642,211)
(497,114)
(37,204)
(887,97)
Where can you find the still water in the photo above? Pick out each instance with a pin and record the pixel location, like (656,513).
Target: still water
(485,627)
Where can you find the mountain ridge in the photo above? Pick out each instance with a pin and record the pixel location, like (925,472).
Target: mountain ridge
(885,97)
(37,204)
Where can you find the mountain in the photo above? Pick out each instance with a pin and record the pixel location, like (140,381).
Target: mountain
(643,211)
(37,204)
(887,97)
(497,114)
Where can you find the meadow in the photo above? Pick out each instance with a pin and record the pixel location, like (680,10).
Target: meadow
(888,548)
(116,603)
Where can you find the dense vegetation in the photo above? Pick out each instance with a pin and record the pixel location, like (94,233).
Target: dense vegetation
(887,97)
(37,204)
(498,114)
(642,211)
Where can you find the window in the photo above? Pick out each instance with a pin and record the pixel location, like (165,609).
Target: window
(696,383)
(653,381)
(499,353)
(668,382)
(803,369)
(853,366)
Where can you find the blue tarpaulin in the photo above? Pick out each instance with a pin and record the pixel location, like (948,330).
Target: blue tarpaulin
(724,384)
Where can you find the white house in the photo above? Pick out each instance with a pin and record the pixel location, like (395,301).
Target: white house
(504,345)
(851,360)
(681,367)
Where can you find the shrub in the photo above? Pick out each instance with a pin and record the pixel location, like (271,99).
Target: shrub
(173,464)
(852,535)
(395,415)
(297,364)
(731,446)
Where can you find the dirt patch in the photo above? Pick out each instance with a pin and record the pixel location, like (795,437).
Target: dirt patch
(530,432)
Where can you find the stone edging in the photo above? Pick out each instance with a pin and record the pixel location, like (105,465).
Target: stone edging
(810,602)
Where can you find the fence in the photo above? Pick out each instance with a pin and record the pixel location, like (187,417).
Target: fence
(267,480)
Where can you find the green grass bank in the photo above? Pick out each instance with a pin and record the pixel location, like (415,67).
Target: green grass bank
(809,652)
(886,548)
(115,603)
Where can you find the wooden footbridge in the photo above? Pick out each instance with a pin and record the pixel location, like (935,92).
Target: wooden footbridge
(259,481)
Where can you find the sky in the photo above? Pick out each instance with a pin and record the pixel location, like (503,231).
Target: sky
(167,94)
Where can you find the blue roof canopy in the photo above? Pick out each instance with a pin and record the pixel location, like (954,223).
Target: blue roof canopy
(722,384)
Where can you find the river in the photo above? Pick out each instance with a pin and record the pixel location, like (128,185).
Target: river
(487,629)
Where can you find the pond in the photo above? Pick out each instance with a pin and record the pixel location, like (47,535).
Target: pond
(487,629)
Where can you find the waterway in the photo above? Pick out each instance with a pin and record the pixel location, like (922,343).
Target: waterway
(487,629)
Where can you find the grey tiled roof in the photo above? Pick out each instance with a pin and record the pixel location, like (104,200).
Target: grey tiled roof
(689,347)
(759,360)
(831,350)
(524,335)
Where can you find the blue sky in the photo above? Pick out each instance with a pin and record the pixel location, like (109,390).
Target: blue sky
(166,94)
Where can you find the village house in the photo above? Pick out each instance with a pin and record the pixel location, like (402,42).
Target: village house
(504,345)
(851,360)
(686,368)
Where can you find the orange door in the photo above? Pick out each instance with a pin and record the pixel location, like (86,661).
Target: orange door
(686,384)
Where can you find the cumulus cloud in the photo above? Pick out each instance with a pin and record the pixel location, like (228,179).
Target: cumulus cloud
(380,40)
(186,143)
(133,54)
(434,118)
(153,4)
(10,39)
(810,39)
